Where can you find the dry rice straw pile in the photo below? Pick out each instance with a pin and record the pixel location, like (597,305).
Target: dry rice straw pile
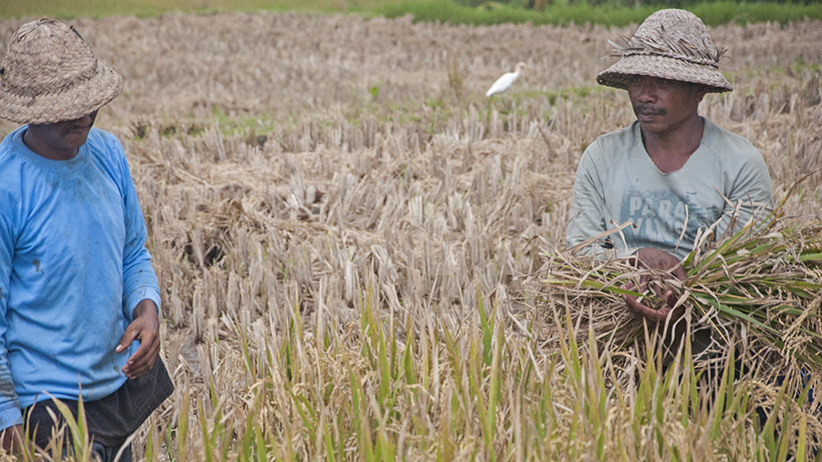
(760,289)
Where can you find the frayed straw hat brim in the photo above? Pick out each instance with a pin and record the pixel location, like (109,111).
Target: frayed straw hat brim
(670,44)
(50,74)
(663,67)
(68,104)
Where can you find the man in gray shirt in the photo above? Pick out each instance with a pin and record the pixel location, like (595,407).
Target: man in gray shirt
(672,175)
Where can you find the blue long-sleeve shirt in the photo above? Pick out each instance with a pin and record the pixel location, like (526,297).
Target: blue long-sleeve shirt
(73,266)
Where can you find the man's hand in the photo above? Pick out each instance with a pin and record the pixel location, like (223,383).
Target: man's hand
(11,439)
(146,329)
(662,267)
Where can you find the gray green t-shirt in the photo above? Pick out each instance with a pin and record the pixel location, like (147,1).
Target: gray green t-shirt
(617,182)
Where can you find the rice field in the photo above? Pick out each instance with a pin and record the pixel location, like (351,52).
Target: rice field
(351,240)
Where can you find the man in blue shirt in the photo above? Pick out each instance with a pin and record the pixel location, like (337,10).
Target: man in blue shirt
(79,299)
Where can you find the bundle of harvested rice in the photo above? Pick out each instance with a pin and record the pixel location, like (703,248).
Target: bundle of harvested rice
(761,288)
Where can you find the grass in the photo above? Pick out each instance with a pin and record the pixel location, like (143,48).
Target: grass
(446,11)
(712,13)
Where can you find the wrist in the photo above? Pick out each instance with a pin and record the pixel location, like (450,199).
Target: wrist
(146,306)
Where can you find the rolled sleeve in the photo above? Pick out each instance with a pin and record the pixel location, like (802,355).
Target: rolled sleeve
(10,414)
(140,294)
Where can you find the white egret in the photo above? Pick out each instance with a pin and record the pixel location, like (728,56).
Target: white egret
(504,83)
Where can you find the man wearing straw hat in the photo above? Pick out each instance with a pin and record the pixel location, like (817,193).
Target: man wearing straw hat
(79,298)
(656,188)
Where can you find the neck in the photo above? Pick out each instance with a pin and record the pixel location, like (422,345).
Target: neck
(671,150)
(43,149)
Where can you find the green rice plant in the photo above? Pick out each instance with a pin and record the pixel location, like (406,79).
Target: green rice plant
(616,14)
(77,429)
(70,437)
(182,429)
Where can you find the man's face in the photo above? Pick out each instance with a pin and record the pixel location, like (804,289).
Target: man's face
(64,136)
(661,105)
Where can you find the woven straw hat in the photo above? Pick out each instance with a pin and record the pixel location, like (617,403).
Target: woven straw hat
(49,74)
(669,44)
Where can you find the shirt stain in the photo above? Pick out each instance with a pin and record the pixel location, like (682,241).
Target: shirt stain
(36,265)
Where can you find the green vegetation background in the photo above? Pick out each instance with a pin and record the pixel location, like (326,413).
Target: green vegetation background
(559,12)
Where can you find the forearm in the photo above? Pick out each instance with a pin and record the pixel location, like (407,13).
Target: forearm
(139,279)
(10,414)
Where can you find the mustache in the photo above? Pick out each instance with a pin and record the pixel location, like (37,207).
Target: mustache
(648,109)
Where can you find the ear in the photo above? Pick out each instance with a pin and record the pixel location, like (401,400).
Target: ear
(699,92)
